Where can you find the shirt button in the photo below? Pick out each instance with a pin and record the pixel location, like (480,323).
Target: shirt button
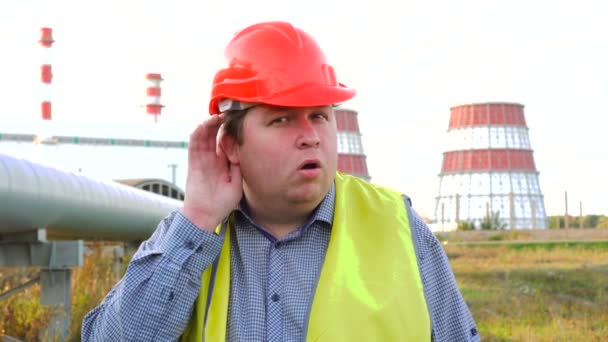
(189,244)
(275,297)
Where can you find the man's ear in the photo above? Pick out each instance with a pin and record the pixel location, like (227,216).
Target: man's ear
(230,147)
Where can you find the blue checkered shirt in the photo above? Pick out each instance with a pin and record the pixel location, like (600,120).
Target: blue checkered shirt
(272,282)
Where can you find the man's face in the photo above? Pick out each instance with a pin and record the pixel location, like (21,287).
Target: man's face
(288,154)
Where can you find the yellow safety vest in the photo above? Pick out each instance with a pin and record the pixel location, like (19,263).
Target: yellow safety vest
(369,288)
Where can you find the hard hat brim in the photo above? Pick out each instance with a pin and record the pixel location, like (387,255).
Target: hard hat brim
(304,96)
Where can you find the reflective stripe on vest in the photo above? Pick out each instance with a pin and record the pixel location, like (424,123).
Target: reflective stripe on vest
(369,288)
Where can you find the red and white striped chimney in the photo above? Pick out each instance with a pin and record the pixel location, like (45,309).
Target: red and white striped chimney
(46,72)
(153,92)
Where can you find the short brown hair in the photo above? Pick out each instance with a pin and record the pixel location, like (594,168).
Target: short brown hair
(233,124)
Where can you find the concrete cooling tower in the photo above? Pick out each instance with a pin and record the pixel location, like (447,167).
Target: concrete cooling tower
(488,167)
(351,158)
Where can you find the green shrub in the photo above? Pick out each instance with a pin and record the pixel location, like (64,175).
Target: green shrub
(466,225)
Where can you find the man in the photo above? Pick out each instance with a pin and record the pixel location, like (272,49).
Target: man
(308,253)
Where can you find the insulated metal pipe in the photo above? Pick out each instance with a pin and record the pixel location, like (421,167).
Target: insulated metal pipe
(71,206)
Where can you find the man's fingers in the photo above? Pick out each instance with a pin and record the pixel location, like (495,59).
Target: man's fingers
(205,135)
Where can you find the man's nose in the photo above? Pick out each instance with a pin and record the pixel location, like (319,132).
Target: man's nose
(307,135)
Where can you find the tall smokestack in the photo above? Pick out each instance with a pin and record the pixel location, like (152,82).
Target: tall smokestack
(46,72)
(154,106)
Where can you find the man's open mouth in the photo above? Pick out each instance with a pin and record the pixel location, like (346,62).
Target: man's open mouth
(310,165)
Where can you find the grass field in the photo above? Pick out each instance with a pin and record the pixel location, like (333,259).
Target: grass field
(531,292)
(517,287)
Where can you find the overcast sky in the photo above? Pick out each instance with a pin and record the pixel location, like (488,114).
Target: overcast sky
(410,61)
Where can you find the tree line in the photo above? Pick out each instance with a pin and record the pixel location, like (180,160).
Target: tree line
(588,221)
(492,221)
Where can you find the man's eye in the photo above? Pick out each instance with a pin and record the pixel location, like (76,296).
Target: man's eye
(278,120)
(320,116)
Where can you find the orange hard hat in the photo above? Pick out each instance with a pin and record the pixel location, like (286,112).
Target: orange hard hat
(278,64)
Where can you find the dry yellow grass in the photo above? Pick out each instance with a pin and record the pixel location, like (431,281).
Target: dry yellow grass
(534,294)
(22,316)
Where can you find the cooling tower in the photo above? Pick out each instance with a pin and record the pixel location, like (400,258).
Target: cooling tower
(488,167)
(351,158)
